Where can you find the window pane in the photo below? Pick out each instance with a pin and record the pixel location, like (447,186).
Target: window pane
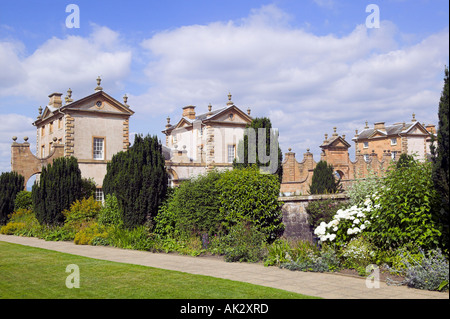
(230,153)
(98,148)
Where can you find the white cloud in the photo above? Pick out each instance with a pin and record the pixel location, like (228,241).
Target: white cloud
(58,64)
(307,83)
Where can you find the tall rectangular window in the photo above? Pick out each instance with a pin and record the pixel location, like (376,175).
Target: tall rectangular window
(99,148)
(231,153)
(99,197)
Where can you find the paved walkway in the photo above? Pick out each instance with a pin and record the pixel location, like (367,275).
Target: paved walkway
(326,285)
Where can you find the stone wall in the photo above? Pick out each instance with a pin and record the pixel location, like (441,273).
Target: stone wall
(295,217)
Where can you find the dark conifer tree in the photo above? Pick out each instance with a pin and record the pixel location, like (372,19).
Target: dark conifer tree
(60,184)
(440,157)
(138,178)
(323,180)
(11,184)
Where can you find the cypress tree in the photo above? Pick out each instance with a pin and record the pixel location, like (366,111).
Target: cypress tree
(259,122)
(11,184)
(440,158)
(323,180)
(138,179)
(59,186)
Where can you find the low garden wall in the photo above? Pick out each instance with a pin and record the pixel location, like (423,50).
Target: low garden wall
(295,217)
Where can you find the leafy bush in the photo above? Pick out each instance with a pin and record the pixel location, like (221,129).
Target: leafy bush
(87,235)
(324,261)
(82,212)
(12,228)
(248,196)
(243,242)
(403,208)
(322,211)
(25,222)
(11,184)
(110,213)
(59,186)
(138,238)
(364,188)
(428,271)
(358,254)
(23,200)
(193,208)
(345,225)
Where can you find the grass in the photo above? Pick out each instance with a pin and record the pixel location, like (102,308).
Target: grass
(35,273)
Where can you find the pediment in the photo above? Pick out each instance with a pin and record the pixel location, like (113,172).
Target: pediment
(231,115)
(417,129)
(99,102)
(377,133)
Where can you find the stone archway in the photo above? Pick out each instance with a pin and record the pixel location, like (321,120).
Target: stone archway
(26,164)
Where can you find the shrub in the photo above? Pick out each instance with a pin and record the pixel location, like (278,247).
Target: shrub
(248,196)
(82,212)
(138,238)
(364,188)
(428,271)
(193,208)
(345,225)
(12,228)
(23,217)
(23,200)
(322,211)
(87,235)
(243,243)
(59,186)
(324,261)
(358,254)
(110,214)
(11,184)
(138,178)
(403,208)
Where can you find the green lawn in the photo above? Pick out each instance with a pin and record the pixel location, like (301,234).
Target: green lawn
(27,272)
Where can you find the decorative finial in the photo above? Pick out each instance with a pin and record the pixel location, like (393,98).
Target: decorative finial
(125,99)
(367,125)
(229,99)
(248,111)
(14,138)
(307,150)
(334,129)
(25,138)
(356,132)
(68,98)
(168,119)
(414,117)
(209,107)
(289,149)
(40,112)
(326,137)
(99,81)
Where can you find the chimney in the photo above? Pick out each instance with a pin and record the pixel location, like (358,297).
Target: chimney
(189,112)
(380,126)
(55,100)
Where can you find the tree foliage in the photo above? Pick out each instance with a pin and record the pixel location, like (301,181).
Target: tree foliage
(138,179)
(323,180)
(59,186)
(440,157)
(404,208)
(11,184)
(243,145)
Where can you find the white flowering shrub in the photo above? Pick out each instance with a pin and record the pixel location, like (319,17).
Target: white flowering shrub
(346,224)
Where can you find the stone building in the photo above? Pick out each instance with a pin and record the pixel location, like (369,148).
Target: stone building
(375,149)
(197,143)
(92,129)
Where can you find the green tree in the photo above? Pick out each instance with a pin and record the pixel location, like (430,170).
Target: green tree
(11,184)
(404,206)
(60,185)
(244,148)
(440,157)
(323,180)
(138,179)
(248,196)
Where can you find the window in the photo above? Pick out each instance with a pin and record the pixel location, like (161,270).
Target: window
(43,151)
(366,144)
(60,123)
(99,148)
(393,141)
(99,195)
(43,130)
(393,155)
(50,130)
(231,153)
(366,157)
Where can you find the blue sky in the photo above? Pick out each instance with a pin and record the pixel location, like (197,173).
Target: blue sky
(308,65)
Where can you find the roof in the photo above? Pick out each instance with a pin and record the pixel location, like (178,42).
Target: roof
(390,130)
